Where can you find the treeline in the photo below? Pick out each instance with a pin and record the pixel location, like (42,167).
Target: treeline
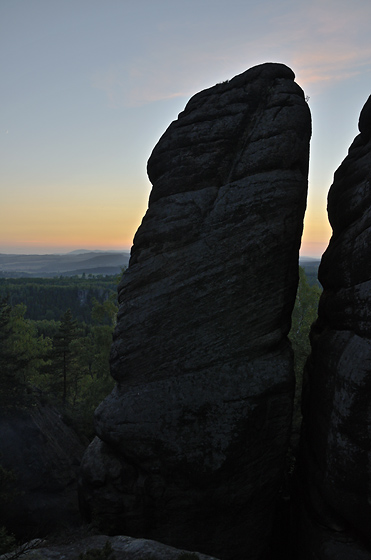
(64,363)
(49,298)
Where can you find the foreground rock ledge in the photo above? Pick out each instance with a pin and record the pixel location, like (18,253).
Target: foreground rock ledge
(191,442)
(123,548)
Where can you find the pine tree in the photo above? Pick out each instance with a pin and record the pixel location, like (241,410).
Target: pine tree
(62,353)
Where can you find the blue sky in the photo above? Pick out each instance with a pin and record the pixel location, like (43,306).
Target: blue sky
(89,86)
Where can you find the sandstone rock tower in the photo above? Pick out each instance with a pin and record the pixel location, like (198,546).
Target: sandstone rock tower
(335,466)
(191,443)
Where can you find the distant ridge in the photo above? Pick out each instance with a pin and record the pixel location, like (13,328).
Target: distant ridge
(68,264)
(309,259)
(310,265)
(82,251)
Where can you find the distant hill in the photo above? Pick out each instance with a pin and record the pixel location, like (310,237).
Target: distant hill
(69,264)
(90,262)
(310,266)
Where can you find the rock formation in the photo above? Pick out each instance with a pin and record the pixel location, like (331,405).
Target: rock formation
(44,454)
(118,548)
(191,443)
(335,464)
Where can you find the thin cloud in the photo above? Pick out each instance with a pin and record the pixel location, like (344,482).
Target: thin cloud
(125,87)
(158,77)
(319,46)
(330,65)
(328,48)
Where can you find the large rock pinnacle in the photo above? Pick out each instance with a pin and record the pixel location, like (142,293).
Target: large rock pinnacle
(335,466)
(191,443)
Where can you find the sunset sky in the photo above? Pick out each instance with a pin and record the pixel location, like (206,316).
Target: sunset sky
(89,86)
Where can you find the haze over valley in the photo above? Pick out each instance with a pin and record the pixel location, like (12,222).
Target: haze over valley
(69,264)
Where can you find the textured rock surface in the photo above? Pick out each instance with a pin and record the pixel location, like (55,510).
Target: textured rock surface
(192,440)
(45,455)
(336,460)
(123,548)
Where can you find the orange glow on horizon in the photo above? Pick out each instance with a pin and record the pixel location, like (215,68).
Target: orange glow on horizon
(110,232)
(44,225)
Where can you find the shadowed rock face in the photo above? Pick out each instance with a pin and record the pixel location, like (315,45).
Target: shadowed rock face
(192,441)
(44,454)
(335,466)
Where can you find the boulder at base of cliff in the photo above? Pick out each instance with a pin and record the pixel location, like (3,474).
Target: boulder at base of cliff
(192,441)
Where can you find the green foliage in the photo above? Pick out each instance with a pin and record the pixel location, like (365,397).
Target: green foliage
(46,328)
(303,316)
(105,553)
(77,375)
(22,353)
(105,312)
(65,361)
